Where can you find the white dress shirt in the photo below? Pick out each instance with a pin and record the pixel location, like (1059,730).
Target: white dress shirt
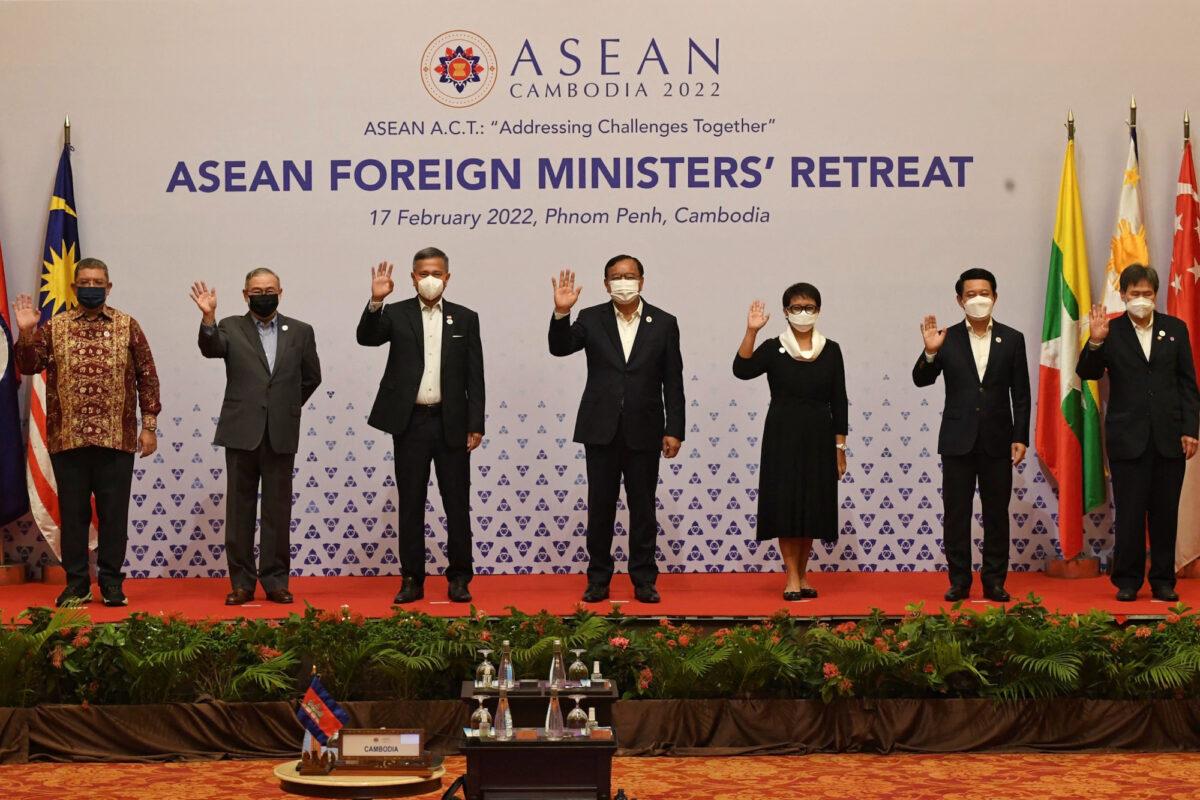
(1144,334)
(430,391)
(981,347)
(628,328)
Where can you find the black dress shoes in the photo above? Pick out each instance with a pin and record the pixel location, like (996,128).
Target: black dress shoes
(996,594)
(281,596)
(956,593)
(113,596)
(74,594)
(410,592)
(238,596)
(646,593)
(1166,595)
(1127,595)
(595,592)
(457,592)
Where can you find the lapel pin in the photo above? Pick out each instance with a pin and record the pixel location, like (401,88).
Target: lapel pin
(1171,338)
(449,320)
(782,350)
(997,340)
(649,319)
(284,328)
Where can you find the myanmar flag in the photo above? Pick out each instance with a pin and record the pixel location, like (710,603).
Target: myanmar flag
(1068,416)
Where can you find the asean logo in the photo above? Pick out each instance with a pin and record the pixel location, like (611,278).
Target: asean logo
(458,69)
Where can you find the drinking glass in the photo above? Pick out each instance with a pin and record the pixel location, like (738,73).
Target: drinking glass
(577,720)
(578,671)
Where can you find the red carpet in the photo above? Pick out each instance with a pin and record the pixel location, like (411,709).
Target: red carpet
(843,594)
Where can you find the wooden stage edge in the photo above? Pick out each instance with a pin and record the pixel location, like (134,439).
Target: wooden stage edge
(716,596)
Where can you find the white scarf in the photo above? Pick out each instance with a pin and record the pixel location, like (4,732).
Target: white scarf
(788,340)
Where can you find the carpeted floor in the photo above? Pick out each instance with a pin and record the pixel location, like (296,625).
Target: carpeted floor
(831,777)
(843,594)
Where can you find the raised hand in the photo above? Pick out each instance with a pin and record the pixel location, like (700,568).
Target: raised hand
(758,316)
(1098,324)
(381,281)
(933,336)
(565,291)
(25,314)
(206,300)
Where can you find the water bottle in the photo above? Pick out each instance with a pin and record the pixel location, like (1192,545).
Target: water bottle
(506,677)
(504,726)
(558,672)
(554,717)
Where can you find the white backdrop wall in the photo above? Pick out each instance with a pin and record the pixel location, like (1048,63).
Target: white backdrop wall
(150,85)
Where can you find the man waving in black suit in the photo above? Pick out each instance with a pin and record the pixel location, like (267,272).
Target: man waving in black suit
(985,428)
(271,369)
(1150,427)
(431,401)
(632,412)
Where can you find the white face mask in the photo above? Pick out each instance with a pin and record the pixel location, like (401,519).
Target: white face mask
(1139,307)
(430,288)
(978,307)
(803,321)
(623,290)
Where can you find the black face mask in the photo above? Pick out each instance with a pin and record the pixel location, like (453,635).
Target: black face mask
(264,305)
(91,296)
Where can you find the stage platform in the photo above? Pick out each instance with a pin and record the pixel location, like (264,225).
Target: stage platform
(843,595)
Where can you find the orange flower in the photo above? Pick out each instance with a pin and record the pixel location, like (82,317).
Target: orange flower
(831,670)
(684,640)
(1142,632)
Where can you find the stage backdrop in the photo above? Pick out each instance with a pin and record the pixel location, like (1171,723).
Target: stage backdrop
(872,149)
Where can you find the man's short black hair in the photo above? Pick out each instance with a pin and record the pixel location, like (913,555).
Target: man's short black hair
(620,258)
(1136,273)
(974,274)
(801,290)
(431,252)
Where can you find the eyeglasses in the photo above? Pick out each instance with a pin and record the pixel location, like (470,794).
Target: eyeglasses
(805,309)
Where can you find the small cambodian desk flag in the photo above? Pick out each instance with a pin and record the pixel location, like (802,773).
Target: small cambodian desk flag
(319,713)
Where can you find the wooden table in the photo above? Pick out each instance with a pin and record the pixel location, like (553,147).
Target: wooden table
(514,769)
(361,787)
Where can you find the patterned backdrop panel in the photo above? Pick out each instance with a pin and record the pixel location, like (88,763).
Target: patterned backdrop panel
(529,495)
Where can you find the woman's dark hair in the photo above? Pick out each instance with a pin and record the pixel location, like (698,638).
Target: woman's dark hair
(1130,276)
(802,290)
(620,258)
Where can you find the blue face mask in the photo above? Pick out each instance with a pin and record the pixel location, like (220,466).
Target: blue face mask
(91,296)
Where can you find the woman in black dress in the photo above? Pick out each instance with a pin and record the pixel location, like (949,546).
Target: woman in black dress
(804,437)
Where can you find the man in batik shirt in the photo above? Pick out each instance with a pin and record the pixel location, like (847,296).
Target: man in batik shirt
(99,371)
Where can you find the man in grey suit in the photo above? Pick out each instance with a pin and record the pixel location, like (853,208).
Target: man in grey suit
(271,369)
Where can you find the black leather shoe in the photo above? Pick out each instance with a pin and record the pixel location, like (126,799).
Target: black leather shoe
(1166,595)
(956,593)
(457,592)
(1127,595)
(113,596)
(595,592)
(410,591)
(793,597)
(238,597)
(281,596)
(646,593)
(996,594)
(80,596)
(808,592)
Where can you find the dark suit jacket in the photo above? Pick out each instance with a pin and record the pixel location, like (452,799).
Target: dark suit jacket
(1148,401)
(400,325)
(995,410)
(648,390)
(257,399)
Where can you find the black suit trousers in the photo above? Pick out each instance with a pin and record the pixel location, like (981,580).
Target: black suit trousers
(247,469)
(422,442)
(606,465)
(1146,491)
(81,474)
(960,475)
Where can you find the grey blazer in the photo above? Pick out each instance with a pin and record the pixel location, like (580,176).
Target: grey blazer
(257,399)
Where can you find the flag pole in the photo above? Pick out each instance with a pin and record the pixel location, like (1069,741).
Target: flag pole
(1070,125)
(1132,112)
(67,130)
(1187,126)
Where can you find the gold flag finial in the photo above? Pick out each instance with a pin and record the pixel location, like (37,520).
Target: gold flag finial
(1070,125)
(1187,126)
(67,130)
(1132,111)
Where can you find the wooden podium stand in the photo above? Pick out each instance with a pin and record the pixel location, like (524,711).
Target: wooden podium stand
(539,769)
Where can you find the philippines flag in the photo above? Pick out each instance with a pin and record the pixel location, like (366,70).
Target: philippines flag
(13,500)
(319,713)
